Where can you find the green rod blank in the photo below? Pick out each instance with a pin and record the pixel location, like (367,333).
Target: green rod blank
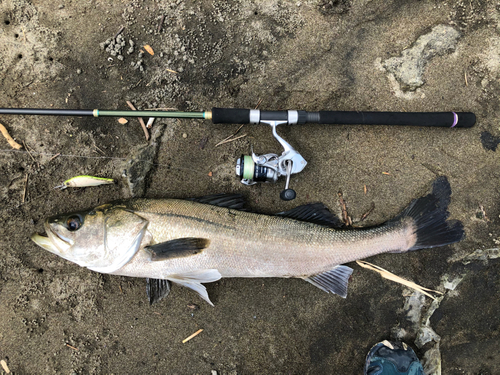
(167,114)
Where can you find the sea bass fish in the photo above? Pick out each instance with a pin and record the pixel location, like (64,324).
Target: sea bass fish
(191,242)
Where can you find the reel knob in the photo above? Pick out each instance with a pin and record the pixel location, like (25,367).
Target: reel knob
(288,194)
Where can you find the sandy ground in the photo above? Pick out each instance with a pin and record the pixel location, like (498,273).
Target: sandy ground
(56,317)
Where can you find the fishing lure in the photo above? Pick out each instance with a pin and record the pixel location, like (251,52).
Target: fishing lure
(85,181)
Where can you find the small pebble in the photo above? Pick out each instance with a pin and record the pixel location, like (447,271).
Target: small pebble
(184,135)
(78,71)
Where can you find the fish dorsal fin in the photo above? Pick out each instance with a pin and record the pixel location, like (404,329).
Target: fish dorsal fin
(157,289)
(333,281)
(235,201)
(316,213)
(193,280)
(178,248)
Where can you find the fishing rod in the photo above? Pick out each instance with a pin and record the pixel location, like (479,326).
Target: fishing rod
(267,168)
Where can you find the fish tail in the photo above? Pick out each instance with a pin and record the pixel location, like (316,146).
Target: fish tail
(429,215)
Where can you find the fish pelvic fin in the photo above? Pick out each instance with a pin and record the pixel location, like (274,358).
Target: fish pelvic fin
(429,214)
(334,281)
(157,289)
(193,280)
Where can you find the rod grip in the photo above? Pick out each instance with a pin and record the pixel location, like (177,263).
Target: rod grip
(437,119)
(230,116)
(46,112)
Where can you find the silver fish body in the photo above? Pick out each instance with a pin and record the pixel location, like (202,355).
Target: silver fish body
(245,244)
(191,243)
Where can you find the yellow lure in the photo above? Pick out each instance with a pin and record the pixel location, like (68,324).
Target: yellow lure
(85,181)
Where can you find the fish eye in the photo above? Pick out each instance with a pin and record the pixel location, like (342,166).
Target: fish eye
(73,223)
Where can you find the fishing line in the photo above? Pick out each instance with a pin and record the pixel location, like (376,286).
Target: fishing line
(93,157)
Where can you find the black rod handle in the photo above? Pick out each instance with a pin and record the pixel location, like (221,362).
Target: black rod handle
(46,112)
(434,119)
(439,119)
(230,116)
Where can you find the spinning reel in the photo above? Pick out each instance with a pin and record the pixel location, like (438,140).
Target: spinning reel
(269,167)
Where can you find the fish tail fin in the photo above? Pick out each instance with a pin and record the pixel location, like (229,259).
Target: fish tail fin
(429,214)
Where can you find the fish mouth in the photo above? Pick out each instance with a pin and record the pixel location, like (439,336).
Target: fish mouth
(52,241)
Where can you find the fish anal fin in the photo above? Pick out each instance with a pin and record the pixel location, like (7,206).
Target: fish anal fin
(178,248)
(334,281)
(193,280)
(316,213)
(157,289)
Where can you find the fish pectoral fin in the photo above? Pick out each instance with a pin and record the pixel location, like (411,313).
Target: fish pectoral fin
(333,281)
(193,280)
(316,213)
(178,248)
(157,289)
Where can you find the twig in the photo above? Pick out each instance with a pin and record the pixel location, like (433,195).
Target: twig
(160,24)
(193,335)
(9,139)
(4,366)
(137,84)
(229,140)
(370,210)
(119,31)
(25,188)
(55,156)
(140,120)
(225,139)
(258,103)
(29,153)
(171,71)
(343,206)
(72,347)
(465,75)
(98,149)
(390,276)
